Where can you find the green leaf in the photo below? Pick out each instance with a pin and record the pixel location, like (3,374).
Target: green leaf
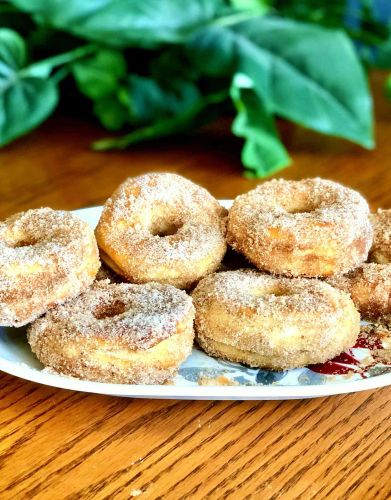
(124,23)
(25,101)
(302,72)
(98,76)
(12,50)
(111,113)
(358,18)
(147,100)
(257,6)
(214,51)
(263,153)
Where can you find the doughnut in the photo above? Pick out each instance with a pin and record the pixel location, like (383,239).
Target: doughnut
(163,228)
(370,284)
(381,246)
(119,333)
(46,257)
(272,322)
(309,228)
(370,288)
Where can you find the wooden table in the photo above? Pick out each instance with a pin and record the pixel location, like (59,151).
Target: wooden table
(57,443)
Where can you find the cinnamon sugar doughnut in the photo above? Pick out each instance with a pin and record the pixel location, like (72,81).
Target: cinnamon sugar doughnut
(119,333)
(370,289)
(370,284)
(312,227)
(271,322)
(46,257)
(381,247)
(163,228)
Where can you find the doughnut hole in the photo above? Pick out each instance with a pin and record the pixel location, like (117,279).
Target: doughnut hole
(301,209)
(25,243)
(164,222)
(110,309)
(299,204)
(15,240)
(165,229)
(18,239)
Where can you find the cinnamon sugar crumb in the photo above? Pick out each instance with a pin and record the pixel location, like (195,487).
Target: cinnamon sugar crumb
(382,355)
(221,380)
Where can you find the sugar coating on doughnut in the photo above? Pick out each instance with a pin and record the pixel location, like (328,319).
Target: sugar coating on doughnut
(370,288)
(276,323)
(46,256)
(162,227)
(312,227)
(122,333)
(268,294)
(381,247)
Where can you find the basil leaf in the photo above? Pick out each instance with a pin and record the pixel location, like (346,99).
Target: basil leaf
(99,75)
(123,23)
(111,113)
(214,51)
(149,101)
(263,153)
(257,6)
(12,51)
(25,101)
(302,72)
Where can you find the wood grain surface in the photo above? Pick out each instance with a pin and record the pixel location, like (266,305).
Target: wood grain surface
(58,444)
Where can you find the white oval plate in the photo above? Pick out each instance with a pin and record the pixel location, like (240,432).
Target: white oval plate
(204,377)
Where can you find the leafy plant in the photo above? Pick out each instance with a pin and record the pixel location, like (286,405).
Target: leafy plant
(157,68)
(25,99)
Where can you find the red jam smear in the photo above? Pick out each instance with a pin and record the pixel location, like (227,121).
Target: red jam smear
(346,358)
(331,368)
(338,365)
(334,366)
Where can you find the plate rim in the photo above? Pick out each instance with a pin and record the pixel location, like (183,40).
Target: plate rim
(253,392)
(256,392)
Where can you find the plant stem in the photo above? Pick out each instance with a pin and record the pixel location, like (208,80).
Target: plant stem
(236,18)
(46,65)
(60,74)
(164,128)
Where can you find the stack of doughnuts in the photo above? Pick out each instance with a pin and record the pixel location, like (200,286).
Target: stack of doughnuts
(132,318)
(283,314)
(128,320)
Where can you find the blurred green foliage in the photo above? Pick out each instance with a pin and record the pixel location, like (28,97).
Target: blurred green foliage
(161,67)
